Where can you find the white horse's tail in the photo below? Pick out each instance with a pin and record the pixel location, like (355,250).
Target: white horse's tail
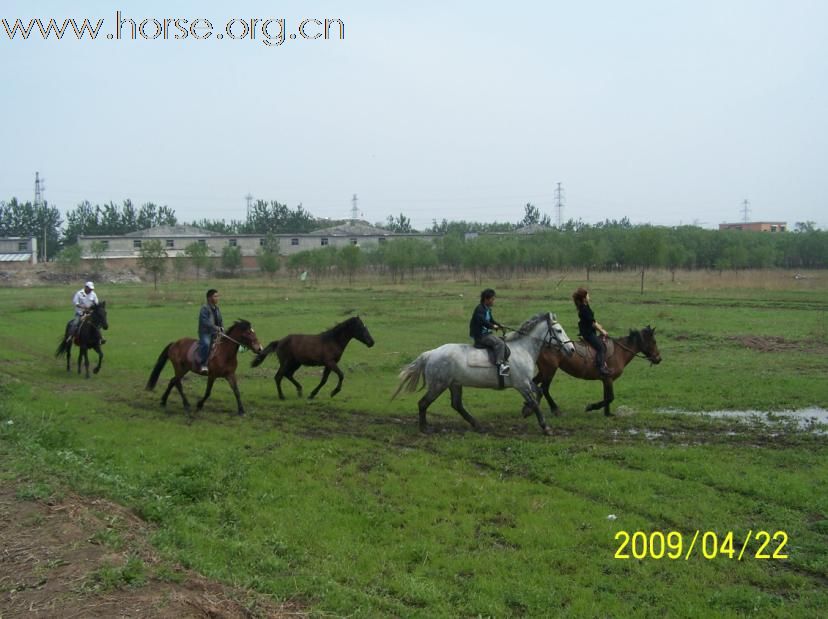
(411,374)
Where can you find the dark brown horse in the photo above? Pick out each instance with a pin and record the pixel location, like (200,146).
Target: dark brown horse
(620,351)
(88,335)
(324,349)
(221,364)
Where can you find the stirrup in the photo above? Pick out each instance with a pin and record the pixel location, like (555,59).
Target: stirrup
(504,369)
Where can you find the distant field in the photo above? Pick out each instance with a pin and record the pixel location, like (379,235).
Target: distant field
(342,505)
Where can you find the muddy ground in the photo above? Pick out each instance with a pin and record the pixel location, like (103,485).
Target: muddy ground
(81,557)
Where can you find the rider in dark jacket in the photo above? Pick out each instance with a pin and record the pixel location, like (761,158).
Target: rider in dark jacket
(482,324)
(210,324)
(589,329)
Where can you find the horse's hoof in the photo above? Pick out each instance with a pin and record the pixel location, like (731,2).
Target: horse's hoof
(527,411)
(548,431)
(241,413)
(609,414)
(96,370)
(557,412)
(426,429)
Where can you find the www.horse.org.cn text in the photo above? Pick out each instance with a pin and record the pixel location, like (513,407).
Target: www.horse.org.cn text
(270,31)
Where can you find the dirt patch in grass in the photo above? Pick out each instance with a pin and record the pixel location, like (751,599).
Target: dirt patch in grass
(777,344)
(82,557)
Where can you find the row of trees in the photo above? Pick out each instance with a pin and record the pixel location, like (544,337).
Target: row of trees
(606,246)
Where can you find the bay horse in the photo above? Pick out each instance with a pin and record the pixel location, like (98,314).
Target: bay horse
(450,367)
(222,362)
(325,349)
(88,335)
(620,351)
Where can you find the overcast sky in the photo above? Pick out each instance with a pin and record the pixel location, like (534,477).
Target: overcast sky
(662,112)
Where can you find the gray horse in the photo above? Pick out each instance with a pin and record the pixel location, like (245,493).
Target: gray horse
(453,366)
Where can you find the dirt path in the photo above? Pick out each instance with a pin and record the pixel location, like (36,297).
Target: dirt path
(77,557)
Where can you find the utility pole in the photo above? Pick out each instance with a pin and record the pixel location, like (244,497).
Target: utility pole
(354,209)
(559,201)
(40,187)
(249,198)
(745,210)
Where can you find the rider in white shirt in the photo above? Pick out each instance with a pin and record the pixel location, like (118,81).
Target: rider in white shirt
(83,301)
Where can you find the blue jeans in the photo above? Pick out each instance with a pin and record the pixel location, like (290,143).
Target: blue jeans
(204,347)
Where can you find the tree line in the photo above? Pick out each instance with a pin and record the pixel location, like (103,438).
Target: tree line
(477,247)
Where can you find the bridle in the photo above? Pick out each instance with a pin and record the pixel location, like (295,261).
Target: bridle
(242,347)
(551,338)
(639,353)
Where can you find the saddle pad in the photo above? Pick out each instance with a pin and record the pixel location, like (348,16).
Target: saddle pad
(192,357)
(478,358)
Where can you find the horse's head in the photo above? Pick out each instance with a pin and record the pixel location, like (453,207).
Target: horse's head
(98,315)
(242,331)
(556,336)
(361,332)
(647,343)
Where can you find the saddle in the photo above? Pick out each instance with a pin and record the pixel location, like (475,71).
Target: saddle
(584,349)
(192,355)
(482,357)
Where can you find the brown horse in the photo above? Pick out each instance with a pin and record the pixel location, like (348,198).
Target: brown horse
(620,351)
(221,364)
(325,349)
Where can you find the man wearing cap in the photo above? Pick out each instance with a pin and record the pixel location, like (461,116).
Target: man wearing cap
(83,301)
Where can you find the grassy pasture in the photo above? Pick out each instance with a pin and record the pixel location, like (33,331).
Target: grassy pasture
(343,505)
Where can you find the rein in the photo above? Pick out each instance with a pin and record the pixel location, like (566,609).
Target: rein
(238,343)
(639,353)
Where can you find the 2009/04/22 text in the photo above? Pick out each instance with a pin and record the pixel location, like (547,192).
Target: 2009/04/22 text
(709,544)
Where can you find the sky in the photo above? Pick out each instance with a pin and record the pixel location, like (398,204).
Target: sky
(667,113)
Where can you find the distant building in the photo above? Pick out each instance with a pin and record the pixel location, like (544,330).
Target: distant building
(18,249)
(757,226)
(175,239)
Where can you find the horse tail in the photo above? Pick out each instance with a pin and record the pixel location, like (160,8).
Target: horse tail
(265,352)
(159,365)
(411,374)
(61,349)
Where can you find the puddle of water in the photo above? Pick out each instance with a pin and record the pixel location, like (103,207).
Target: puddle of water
(812,419)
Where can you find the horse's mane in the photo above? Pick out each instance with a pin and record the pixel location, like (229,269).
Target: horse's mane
(527,326)
(241,323)
(338,328)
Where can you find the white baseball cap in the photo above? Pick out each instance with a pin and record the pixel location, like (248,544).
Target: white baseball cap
(90,285)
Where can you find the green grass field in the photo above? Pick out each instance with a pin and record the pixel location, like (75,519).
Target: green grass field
(343,505)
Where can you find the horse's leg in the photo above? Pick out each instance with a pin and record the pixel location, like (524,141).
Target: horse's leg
(234,386)
(85,352)
(100,358)
(339,375)
(422,406)
(457,404)
(607,386)
(210,380)
(175,381)
(294,365)
(530,402)
(543,384)
(609,396)
(277,377)
(325,375)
